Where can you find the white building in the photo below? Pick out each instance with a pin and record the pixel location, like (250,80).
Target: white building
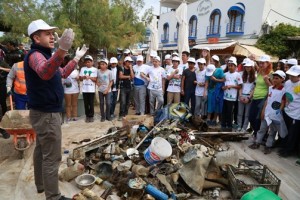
(220,24)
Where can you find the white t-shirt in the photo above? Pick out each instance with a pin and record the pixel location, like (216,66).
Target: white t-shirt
(183,66)
(232,79)
(104,78)
(138,79)
(273,105)
(168,67)
(71,84)
(88,85)
(174,84)
(200,77)
(114,77)
(156,75)
(292,94)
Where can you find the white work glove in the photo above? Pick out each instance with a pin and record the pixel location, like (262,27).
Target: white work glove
(8,89)
(80,52)
(66,40)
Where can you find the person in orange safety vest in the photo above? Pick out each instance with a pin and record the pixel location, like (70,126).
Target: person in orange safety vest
(16,79)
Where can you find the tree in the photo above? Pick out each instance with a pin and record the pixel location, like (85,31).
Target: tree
(100,23)
(275,43)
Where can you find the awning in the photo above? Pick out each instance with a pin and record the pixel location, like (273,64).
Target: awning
(247,50)
(218,46)
(239,7)
(168,48)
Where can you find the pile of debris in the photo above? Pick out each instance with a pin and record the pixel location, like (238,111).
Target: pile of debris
(168,161)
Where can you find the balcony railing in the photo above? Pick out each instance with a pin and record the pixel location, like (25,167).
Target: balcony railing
(213,31)
(164,38)
(192,34)
(176,36)
(235,28)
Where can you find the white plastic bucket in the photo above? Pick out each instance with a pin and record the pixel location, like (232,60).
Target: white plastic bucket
(158,150)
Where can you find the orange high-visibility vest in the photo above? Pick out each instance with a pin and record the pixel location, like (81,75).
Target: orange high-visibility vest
(19,82)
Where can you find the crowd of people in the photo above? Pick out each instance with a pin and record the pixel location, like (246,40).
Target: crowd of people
(234,95)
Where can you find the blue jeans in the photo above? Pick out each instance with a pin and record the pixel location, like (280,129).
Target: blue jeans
(124,101)
(113,102)
(20,101)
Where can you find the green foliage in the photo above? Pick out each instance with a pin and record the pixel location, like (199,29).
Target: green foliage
(275,42)
(99,23)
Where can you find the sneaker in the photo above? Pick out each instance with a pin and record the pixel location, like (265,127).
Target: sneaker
(91,119)
(102,120)
(254,146)
(64,198)
(68,120)
(137,113)
(243,131)
(87,119)
(74,119)
(4,134)
(238,130)
(267,150)
(120,118)
(40,191)
(112,116)
(235,126)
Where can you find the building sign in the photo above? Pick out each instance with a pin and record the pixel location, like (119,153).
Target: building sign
(212,40)
(204,7)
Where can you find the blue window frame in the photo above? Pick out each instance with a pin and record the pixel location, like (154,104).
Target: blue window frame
(193,27)
(236,20)
(176,32)
(165,35)
(214,28)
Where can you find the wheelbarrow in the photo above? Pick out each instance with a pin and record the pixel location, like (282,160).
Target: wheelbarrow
(17,124)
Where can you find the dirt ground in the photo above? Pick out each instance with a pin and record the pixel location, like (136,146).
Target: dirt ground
(17,181)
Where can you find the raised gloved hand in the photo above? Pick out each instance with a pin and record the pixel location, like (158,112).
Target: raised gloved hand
(66,40)
(8,89)
(80,52)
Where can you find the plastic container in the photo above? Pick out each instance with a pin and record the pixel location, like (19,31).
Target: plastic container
(260,193)
(158,150)
(157,194)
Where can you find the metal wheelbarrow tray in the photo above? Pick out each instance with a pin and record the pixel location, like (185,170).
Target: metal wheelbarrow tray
(17,124)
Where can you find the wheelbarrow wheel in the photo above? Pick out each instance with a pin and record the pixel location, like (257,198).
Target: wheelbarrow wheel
(22,144)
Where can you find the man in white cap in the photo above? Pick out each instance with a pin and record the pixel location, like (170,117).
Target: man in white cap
(168,62)
(45,91)
(156,79)
(152,55)
(125,76)
(115,69)
(140,85)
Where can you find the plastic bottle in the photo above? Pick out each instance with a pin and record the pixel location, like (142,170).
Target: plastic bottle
(156,193)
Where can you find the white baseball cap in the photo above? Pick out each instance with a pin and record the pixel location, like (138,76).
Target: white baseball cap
(210,70)
(139,58)
(294,70)
(249,63)
(153,53)
(192,60)
(174,54)
(128,58)
(113,60)
(88,57)
(264,58)
(245,60)
(168,57)
(126,51)
(206,48)
(103,60)
(39,25)
(232,60)
(156,58)
(280,73)
(176,58)
(292,61)
(283,61)
(215,57)
(201,60)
